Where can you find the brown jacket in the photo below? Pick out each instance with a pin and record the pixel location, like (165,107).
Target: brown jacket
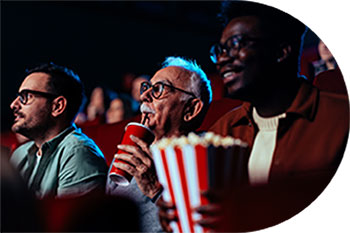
(311,139)
(310,145)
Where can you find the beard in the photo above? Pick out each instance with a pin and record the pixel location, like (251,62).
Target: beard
(32,132)
(33,127)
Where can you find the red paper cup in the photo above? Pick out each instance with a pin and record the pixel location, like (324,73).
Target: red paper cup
(133,128)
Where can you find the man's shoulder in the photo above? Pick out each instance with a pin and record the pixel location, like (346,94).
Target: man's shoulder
(21,152)
(334,103)
(341,99)
(79,144)
(78,154)
(230,118)
(78,139)
(24,146)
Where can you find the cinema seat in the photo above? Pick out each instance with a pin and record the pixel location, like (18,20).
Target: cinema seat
(108,136)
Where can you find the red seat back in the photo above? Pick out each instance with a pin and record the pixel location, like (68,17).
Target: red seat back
(108,136)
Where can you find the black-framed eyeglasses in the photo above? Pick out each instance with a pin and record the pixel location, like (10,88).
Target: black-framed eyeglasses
(23,95)
(232,45)
(158,88)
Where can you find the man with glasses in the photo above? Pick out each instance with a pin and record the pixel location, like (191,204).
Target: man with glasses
(59,161)
(173,103)
(296,133)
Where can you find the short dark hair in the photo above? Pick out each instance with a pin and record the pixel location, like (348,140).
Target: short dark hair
(284,27)
(64,82)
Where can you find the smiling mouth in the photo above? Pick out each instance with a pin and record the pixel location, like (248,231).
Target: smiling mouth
(229,76)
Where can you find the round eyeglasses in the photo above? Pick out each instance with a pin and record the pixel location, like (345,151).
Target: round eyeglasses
(231,46)
(158,88)
(23,95)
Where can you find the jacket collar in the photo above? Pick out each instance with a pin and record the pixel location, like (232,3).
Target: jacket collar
(306,101)
(304,104)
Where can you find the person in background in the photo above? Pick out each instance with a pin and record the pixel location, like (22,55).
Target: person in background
(296,133)
(136,84)
(99,102)
(174,102)
(326,61)
(315,60)
(119,109)
(135,92)
(59,161)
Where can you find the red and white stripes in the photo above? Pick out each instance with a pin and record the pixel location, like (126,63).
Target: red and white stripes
(183,172)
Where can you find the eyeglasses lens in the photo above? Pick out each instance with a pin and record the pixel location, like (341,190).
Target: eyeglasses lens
(23,97)
(144,87)
(157,90)
(215,51)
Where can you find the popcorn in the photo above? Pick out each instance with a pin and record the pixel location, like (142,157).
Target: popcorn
(190,164)
(193,139)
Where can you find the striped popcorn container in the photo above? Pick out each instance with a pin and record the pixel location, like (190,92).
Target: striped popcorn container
(186,166)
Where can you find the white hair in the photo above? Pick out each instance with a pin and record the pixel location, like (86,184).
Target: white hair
(200,84)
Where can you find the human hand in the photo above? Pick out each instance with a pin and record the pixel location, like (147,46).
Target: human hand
(166,214)
(212,214)
(139,163)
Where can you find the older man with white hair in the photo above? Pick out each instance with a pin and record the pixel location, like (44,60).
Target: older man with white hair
(174,102)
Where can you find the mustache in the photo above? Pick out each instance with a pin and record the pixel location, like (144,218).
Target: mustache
(146,109)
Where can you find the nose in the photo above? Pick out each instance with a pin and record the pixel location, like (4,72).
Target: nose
(146,96)
(15,103)
(226,57)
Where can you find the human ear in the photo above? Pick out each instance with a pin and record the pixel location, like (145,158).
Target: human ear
(193,109)
(284,52)
(58,106)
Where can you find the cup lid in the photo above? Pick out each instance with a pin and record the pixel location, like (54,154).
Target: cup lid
(139,124)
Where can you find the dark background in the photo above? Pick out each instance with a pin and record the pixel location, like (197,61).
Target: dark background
(101,41)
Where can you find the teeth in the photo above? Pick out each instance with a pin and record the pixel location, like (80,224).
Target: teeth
(228,74)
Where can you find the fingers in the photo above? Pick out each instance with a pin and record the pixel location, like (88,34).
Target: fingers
(165,221)
(125,166)
(140,143)
(209,210)
(211,222)
(211,216)
(165,204)
(133,164)
(166,214)
(166,226)
(213,196)
(139,152)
